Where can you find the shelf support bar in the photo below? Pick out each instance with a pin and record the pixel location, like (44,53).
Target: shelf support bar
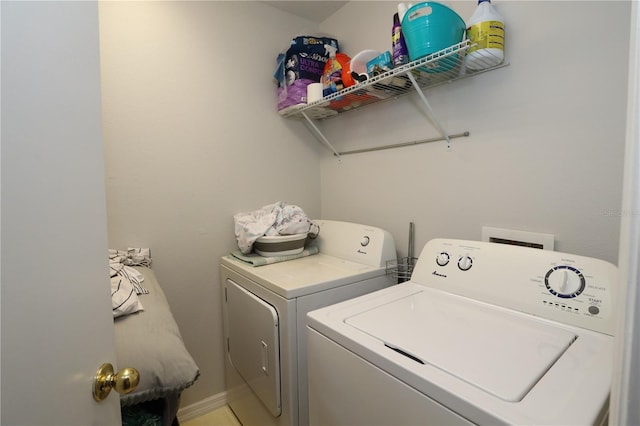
(443,132)
(320,135)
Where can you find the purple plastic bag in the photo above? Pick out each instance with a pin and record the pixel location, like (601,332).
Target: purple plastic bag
(302,65)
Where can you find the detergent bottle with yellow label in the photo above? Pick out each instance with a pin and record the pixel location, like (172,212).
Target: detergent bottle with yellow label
(398,45)
(485,30)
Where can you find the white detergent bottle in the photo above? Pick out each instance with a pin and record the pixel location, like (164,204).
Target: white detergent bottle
(402,9)
(485,29)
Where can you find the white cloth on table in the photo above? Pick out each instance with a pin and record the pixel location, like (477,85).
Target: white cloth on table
(124,299)
(126,282)
(273,219)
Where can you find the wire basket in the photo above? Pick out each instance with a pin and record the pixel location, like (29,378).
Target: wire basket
(401,269)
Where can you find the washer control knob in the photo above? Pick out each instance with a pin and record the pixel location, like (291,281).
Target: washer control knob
(442,259)
(465,263)
(564,281)
(365,241)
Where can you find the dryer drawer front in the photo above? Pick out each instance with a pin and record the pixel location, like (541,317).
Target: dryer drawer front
(253,344)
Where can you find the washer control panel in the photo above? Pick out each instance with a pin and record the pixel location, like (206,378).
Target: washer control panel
(567,288)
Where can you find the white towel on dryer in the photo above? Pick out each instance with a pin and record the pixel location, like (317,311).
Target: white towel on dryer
(274,219)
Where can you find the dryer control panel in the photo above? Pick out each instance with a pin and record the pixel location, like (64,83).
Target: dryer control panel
(355,242)
(567,288)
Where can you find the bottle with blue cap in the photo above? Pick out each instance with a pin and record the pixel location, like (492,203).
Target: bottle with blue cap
(485,30)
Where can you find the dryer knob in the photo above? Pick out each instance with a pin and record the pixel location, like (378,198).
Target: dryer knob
(465,263)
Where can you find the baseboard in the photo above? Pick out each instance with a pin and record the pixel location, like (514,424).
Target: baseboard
(202,407)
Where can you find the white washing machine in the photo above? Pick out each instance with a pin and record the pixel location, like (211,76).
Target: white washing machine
(483,333)
(265,308)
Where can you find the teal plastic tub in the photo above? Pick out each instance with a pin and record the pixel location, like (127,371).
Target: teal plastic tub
(429,27)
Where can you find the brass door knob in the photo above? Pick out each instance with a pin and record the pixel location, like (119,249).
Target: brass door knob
(124,381)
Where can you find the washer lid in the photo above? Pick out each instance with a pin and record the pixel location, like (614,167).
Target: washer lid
(485,346)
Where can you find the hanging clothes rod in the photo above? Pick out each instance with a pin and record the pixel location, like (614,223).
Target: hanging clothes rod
(403,144)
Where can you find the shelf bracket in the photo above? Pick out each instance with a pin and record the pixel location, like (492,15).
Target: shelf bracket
(443,132)
(320,135)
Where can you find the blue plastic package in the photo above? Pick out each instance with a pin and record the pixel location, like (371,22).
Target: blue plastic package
(380,64)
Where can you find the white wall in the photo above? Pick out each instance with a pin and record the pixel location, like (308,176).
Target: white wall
(191,138)
(191,130)
(547,133)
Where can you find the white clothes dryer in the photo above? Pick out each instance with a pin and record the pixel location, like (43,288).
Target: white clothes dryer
(483,333)
(265,308)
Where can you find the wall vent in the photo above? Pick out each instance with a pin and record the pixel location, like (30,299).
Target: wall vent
(518,238)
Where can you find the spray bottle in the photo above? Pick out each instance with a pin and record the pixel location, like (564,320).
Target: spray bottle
(333,79)
(485,28)
(398,45)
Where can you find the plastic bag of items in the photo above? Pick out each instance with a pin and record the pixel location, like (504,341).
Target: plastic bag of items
(302,64)
(274,219)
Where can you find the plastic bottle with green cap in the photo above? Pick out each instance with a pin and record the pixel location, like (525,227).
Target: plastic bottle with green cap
(485,30)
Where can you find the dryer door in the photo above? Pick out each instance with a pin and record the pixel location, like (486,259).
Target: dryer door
(254,344)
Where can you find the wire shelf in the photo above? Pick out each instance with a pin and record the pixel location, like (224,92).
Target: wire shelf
(432,70)
(401,269)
